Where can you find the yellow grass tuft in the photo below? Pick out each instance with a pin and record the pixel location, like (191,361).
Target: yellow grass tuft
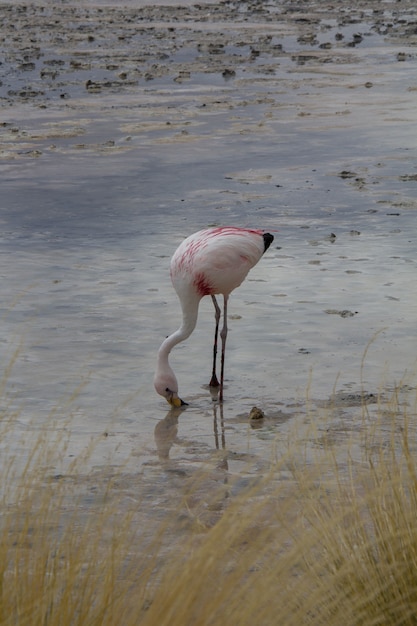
(327,537)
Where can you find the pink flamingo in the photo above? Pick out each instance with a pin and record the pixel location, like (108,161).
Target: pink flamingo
(209,262)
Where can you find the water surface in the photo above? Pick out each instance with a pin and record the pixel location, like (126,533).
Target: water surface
(122,136)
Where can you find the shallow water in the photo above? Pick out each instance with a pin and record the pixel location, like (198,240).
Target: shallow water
(101,182)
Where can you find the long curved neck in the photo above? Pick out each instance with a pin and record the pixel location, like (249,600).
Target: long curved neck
(189,321)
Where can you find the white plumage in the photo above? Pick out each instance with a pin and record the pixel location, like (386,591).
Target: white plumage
(209,262)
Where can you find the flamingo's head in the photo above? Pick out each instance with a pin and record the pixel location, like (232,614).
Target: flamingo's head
(166,385)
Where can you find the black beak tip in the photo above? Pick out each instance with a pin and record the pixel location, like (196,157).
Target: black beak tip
(268,239)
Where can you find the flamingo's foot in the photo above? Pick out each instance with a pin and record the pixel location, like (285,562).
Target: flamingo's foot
(214,382)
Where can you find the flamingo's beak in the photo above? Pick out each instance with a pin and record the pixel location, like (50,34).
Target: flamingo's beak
(175,401)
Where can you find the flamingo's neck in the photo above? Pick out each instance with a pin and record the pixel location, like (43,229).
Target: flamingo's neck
(189,320)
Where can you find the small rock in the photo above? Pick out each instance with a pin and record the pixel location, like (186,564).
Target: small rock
(92,86)
(347,174)
(228,74)
(344,313)
(256,414)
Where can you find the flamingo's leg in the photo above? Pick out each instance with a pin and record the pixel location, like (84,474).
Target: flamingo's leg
(217,312)
(223,335)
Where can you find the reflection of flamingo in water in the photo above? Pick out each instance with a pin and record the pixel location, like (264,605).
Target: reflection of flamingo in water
(212,261)
(166,435)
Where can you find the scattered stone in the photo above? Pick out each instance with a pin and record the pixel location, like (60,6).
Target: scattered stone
(347,174)
(228,74)
(344,313)
(343,399)
(91,86)
(256,414)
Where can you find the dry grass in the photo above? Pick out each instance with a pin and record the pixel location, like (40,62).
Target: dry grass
(329,540)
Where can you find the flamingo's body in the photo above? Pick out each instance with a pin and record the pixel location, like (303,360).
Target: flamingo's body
(209,262)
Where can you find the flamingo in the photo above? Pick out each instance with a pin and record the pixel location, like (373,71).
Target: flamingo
(210,262)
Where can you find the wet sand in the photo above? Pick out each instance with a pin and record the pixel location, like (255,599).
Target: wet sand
(126,128)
